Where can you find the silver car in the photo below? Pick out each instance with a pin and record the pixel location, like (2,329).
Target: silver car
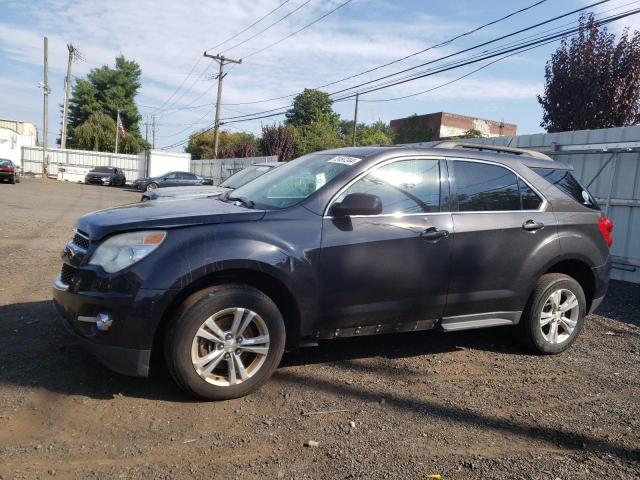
(236,180)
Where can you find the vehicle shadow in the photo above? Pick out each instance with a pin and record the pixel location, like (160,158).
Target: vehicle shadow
(32,337)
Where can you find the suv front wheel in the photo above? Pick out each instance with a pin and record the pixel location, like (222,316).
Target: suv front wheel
(554,315)
(224,342)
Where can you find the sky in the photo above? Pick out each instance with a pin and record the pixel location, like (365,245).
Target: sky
(167,38)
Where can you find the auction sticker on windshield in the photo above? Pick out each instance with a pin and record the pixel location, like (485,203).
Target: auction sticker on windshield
(344,160)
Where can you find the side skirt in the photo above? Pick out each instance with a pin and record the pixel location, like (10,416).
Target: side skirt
(481,320)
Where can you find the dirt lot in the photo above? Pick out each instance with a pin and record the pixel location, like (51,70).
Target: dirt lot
(466,405)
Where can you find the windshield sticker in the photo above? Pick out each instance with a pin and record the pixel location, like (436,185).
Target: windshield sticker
(344,160)
(321,179)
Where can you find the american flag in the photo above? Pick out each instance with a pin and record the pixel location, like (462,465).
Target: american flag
(121,129)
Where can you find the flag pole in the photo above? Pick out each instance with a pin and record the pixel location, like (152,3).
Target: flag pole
(117,131)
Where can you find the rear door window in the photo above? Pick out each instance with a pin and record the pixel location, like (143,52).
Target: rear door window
(482,187)
(530,199)
(565,181)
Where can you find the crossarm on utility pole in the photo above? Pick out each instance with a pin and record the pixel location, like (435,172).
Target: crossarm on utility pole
(216,125)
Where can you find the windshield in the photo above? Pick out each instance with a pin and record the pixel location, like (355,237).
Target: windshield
(245,176)
(293,182)
(103,169)
(5,163)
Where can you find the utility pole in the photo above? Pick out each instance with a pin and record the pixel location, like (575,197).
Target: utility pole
(222,61)
(355,121)
(153,132)
(45,107)
(74,54)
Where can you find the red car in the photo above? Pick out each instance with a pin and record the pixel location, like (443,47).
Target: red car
(9,171)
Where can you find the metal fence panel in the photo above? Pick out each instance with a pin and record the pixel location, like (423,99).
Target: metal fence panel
(222,168)
(616,186)
(132,165)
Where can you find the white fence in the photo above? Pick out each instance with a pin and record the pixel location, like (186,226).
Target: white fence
(132,165)
(222,168)
(607,161)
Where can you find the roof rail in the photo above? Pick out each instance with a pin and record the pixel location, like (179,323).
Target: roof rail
(493,148)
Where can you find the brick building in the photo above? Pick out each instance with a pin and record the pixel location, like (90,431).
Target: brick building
(444,124)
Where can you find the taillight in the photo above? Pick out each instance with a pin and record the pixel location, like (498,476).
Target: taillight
(6,169)
(606,227)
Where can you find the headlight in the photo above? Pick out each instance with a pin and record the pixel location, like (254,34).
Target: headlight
(123,250)
(105,179)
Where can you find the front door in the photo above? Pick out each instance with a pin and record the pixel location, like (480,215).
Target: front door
(392,267)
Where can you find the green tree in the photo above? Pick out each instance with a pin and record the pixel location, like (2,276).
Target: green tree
(412,131)
(312,106)
(231,144)
(377,133)
(107,90)
(319,135)
(591,81)
(98,133)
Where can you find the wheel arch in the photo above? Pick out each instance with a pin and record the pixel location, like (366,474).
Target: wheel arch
(581,272)
(266,283)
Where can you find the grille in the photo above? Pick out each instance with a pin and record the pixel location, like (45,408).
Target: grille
(67,273)
(81,240)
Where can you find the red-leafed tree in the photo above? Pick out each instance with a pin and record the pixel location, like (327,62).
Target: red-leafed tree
(592,81)
(277,140)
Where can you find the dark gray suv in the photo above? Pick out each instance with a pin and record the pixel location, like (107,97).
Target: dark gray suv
(348,242)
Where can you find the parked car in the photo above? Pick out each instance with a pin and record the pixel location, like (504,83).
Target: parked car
(341,243)
(106,176)
(207,190)
(9,171)
(171,179)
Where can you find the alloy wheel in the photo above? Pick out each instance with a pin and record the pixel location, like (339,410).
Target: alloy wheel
(230,346)
(559,316)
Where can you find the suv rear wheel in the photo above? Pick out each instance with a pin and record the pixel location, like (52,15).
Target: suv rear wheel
(554,315)
(224,342)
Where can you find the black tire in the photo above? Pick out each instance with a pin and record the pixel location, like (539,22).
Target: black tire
(12,180)
(151,186)
(529,330)
(190,317)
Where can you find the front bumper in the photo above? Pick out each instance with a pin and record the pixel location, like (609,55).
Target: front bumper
(127,361)
(126,347)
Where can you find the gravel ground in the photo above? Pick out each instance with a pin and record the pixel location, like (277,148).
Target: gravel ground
(464,405)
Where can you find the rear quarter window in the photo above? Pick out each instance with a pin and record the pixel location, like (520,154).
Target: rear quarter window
(566,182)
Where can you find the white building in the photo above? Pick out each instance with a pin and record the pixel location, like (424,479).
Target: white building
(14,135)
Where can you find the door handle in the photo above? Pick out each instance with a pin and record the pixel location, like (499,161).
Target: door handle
(432,234)
(532,225)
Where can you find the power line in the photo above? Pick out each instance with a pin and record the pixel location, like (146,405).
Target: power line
(195,65)
(442,58)
(265,29)
(249,27)
(299,30)
(519,48)
(444,43)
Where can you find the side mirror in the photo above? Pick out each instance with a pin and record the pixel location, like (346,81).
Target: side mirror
(357,204)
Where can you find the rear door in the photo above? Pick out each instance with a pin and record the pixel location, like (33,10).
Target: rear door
(504,234)
(393,267)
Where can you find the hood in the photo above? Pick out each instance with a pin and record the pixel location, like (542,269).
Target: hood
(179,213)
(172,193)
